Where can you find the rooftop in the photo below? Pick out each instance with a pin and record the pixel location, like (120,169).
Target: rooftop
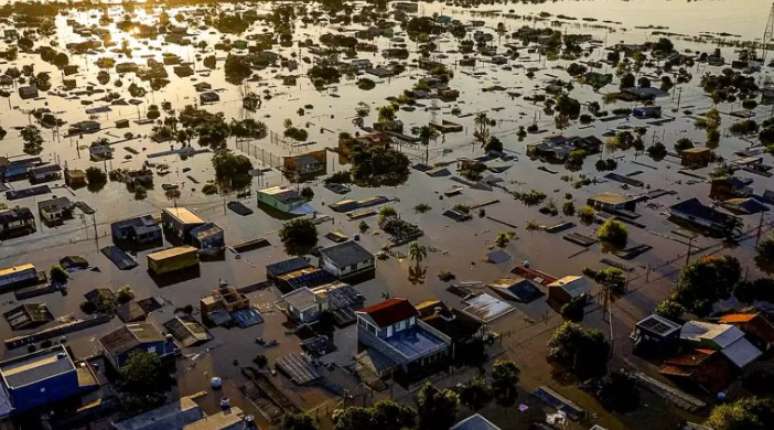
(301,298)
(171,252)
(173,415)
(346,254)
(130,336)
(31,368)
(390,311)
(281,193)
(574,285)
(183,216)
(658,324)
(223,420)
(415,342)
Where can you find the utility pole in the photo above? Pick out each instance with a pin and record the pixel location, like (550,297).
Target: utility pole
(688,255)
(759,230)
(768,33)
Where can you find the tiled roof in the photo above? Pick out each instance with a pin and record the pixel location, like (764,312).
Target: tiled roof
(390,311)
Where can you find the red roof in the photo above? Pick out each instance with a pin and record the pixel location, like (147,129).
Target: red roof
(390,311)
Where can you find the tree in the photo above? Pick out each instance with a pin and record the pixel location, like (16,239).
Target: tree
(232,171)
(706,281)
(417,254)
(619,392)
(505,380)
(765,249)
(580,351)
(299,236)
(426,135)
(388,414)
(613,233)
(58,275)
(297,422)
(627,81)
(750,413)
(33,142)
(663,45)
(568,106)
(96,178)
(683,144)
(657,151)
(502,240)
(481,134)
(494,145)
(476,394)
(670,309)
(574,310)
(436,409)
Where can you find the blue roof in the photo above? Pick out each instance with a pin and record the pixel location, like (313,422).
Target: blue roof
(282,267)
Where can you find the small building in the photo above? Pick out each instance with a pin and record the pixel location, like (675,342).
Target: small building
(20,276)
(174,415)
(567,288)
(179,222)
(305,166)
(275,270)
(646,112)
(348,261)
(696,214)
(730,186)
(28,315)
(209,238)
(755,326)
(44,173)
(28,92)
(75,178)
(221,303)
(612,202)
(702,367)
(307,277)
(183,70)
(281,198)
(56,210)
(656,334)
(139,230)
(407,346)
(464,330)
(516,288)
(83,127)
(120,344)
(697,157)
(209,97)
(16,222)
(726,338)
(39,379)
(302,305)
(100,152)
(172,260)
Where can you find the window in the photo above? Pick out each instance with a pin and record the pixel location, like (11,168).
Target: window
(389,331)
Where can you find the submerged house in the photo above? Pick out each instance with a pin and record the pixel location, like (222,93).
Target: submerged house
(121,343)
(42,378)
(401,343)
(655,334)
(54,211)
(178,223)
(558,148)
(729,340)
(283,199)
(15,222)
(348,261)
(139,230)
(305,166)
(696,214)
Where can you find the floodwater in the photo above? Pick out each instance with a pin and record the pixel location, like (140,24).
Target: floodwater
(457,247)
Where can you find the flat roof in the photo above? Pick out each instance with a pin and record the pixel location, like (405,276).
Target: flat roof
(171,252)
(183,215)
(415,342)
(223,420)
(16,269)
(28,369)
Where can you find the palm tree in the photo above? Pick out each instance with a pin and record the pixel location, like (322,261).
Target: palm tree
(426,135)
(502,240)
(417,254)
(482,132)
